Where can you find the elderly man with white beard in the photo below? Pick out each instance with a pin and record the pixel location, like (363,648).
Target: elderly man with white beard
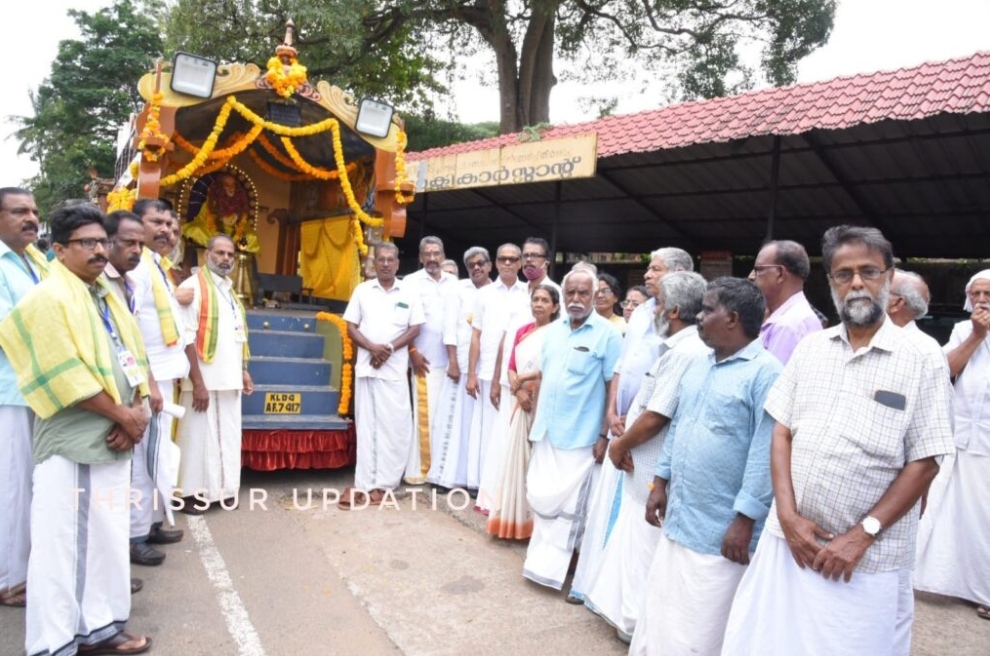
(616,589)
(862,423)
(579,355)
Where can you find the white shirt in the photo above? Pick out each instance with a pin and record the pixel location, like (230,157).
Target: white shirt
(496,307)
(433,297)
(226,372)
(383,316)
(458,314)
(972,393)
(166,362)
(640,349)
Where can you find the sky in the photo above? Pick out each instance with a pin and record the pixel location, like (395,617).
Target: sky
(869,35)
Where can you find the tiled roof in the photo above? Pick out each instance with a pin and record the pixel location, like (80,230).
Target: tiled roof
(955,86)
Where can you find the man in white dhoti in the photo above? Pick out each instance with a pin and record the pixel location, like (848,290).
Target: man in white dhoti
(451,428)
(383,318)
(617,588)
(955,560)
(640,350)
(427,355)
(494,308)
(909,298)
(158,317)
(862,419)
(716,460)
(579,356)
(81,367)
(535,258)
(216,335)
(21,268)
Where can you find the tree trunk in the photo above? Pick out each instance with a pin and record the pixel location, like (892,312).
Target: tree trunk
(536,78)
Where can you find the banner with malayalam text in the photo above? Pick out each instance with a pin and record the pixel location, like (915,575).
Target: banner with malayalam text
(534,161)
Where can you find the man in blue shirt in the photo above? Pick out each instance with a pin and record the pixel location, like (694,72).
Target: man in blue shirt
(569,429)
(21,267)
(716,460)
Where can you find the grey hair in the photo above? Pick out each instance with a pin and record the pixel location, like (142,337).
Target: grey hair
(838,236)
(581,271)
(475,251)
(587,266)
(387,246)
(792,256)
(215,238)
(426,241)
(683,290)
(913,289)
(448,261)
(675,259)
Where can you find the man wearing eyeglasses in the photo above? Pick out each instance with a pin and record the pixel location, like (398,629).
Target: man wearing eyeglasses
(159,318)
(494,310)
(862,422)
(21,268)
(956,557)
(451,426)
(81,367)
(780,272)
(535,262)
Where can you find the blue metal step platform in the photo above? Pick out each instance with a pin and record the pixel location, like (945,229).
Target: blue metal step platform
(292,412)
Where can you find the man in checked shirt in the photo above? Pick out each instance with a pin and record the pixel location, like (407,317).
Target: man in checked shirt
(862,423)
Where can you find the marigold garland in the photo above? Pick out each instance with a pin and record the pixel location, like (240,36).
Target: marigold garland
(121,199)
(401,177)
(274,172)
(204,152)
(285,84)
(358,233)
(152,131)
(347,353)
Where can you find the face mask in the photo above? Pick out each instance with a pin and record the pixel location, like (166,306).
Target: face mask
(532,272)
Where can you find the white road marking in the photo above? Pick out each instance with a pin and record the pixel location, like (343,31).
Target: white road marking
(235,614)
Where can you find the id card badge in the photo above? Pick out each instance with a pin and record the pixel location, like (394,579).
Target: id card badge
(239,335)
(130,366)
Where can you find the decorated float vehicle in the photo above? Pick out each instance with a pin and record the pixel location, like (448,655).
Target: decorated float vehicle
(305,180)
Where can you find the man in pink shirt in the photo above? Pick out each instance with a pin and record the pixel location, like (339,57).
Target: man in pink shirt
(780,271)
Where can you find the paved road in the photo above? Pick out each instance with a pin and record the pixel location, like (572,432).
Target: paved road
(296,581)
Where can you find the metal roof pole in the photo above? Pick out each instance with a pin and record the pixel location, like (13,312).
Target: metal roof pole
(552,272)
(422,220)
(774,183)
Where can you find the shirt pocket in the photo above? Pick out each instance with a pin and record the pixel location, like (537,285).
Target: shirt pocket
(728,414)
(874,429)
(400,314)
(581,361)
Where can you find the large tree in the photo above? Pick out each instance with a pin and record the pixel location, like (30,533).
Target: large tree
(91,91)
(697,43)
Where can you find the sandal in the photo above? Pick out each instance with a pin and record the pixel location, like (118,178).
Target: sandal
(983,612)
(14,599)
(115,645)
(350,497)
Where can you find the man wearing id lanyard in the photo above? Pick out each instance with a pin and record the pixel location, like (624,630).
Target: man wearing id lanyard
(209,432)
(81,366)
(383,318)
(157,313)
(21,268)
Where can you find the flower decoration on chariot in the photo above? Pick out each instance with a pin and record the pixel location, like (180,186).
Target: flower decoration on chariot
(285,73)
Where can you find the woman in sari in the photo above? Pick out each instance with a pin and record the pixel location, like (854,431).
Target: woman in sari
(510,516)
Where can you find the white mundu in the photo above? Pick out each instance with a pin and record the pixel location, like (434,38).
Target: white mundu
(382,414)
(211,440)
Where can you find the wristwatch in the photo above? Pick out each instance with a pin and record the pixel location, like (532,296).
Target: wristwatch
(871,526)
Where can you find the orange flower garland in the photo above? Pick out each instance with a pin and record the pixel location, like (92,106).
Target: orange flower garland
(121,199)
(153,141)
(347,352)
(211,142)
(400,171)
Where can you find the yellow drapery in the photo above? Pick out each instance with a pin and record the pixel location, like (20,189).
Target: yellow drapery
(329,261)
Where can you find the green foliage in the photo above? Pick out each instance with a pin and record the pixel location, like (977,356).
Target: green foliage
(428,132)
(341,41)
(90,93)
